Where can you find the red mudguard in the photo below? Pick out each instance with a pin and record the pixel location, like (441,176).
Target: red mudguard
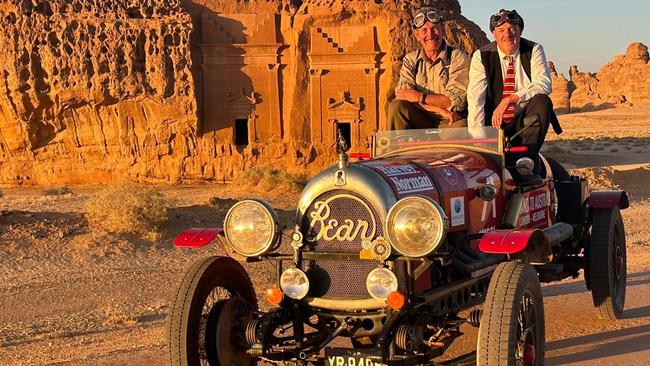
(508,241)
(196,237)
(608,199)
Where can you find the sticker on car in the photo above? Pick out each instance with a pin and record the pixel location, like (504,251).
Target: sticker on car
(457,211)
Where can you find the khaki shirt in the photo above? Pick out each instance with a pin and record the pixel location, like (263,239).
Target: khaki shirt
(447,74)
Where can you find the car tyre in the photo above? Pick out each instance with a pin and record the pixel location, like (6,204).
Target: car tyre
(213,291)
(512,324)
(607,262)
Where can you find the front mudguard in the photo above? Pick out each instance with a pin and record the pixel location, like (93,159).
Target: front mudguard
(200,237)
(196,237)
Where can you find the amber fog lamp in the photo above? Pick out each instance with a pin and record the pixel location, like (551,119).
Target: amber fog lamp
(274,296)
(395,300)
(251,227)
(416,226)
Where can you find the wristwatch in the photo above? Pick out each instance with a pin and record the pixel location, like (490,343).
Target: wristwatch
(424,98)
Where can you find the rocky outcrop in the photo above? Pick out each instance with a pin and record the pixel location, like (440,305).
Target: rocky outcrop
(561,95)
(99,90)
(585,95)
(93,90)
(627,78)
(623,81)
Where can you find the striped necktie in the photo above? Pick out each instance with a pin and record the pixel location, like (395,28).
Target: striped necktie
(509,89)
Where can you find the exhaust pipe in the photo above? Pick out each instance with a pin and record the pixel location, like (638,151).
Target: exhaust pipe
(558,233)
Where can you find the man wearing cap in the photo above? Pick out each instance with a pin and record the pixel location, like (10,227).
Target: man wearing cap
(433,81)
(510,81)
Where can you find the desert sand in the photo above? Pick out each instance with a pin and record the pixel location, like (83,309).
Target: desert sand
(72,296)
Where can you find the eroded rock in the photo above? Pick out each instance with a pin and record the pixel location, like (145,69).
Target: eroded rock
(179,90)
(623,81)
(562,89)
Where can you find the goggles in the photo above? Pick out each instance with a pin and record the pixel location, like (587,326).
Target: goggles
(504,16)
(424,15)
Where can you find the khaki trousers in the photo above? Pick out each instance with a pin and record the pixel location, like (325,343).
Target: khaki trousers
(403,115)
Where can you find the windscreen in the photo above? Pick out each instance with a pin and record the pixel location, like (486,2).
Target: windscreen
(483,138)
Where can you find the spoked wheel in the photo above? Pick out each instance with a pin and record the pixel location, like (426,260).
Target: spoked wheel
(512,325)
(608,263)
(208,315)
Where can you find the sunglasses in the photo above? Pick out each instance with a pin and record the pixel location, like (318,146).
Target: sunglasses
(504,16)
(421,18)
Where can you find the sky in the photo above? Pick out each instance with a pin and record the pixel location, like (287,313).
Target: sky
(587,33)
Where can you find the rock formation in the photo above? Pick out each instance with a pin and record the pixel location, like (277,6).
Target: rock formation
(561,91)
(623,81)
(180,90)
(94,90)
(626,79)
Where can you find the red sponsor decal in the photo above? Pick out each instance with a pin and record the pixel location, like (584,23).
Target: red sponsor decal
(534,209)
(406,179)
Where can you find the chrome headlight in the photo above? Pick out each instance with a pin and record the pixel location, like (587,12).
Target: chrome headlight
(294,283)
(416,226)
(381,282)
(251,227)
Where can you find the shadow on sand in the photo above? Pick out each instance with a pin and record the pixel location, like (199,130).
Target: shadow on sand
(595,346)
(633,279)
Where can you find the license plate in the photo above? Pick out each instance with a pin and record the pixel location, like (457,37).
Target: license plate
(348,357)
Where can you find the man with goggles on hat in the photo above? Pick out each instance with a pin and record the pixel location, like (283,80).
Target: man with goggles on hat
(433,81)
(510,81)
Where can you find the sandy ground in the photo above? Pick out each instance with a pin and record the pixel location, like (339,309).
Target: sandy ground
(70,296)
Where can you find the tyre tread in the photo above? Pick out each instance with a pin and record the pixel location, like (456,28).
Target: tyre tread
(494,344)
(201,272)
(604,223)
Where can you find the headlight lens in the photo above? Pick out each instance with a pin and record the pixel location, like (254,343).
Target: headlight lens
(381,282)
(416,226)
(294,283)
(251,227)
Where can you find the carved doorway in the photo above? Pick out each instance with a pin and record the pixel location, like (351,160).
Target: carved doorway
(346,130)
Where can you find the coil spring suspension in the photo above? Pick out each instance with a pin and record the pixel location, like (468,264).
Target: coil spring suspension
(251,331)
(404,337)
(474,317)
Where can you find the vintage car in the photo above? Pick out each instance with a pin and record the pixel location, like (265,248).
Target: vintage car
(390,250)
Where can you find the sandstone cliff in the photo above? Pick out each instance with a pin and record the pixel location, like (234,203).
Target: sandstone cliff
(623,81)
(93,90)
(180,90)
(562,88)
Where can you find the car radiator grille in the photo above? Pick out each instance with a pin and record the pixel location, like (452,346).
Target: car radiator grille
(336,279)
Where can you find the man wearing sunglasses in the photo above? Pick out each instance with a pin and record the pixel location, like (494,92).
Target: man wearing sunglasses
(433,81)
(510,81)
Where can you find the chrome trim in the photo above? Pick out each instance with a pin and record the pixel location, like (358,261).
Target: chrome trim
(360,179)
(345,305)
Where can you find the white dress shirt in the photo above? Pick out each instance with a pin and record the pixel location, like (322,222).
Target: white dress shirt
(524,87)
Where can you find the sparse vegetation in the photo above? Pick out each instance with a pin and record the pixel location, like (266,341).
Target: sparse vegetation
(269,178)
(128,208)
(59,191)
